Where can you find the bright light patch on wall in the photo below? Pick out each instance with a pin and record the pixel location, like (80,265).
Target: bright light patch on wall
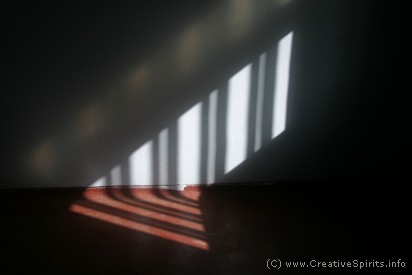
(237,118)
(237,132)
(140,163)
(212,126)
(99,182)
(163,157)
(116,175)
(281,84)
(259,102)
(189,146)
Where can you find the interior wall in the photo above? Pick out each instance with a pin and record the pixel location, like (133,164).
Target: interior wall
(348,113)
(90,86)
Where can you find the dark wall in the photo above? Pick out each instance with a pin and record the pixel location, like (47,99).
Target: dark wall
(79,97)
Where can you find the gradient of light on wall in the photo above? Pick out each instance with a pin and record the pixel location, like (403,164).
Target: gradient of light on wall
(236,132)
(165,215)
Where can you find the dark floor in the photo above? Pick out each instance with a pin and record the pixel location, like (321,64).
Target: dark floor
(210,230)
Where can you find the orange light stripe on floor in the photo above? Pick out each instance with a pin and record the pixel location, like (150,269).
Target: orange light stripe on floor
(105,200)
(139,227)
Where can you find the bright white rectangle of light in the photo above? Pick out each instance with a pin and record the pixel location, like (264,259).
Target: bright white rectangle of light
(140,163)
(282,84)
(163,157)
(237,118)
(116,175)
(259,102)
(189,146)
(212,126)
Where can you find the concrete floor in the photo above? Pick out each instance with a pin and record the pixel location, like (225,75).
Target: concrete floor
(209,230)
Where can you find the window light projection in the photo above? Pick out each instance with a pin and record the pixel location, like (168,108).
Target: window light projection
(208,141)
(163,215)
(99,182)
(189,146)
(234,110)
(281,84)
(140,163)
(237,118)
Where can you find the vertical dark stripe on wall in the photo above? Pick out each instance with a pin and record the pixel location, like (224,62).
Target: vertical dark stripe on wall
(173,151)
(269,86)
(252,108)
(221,130)
(155,160)
(125,173)
(204,140)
